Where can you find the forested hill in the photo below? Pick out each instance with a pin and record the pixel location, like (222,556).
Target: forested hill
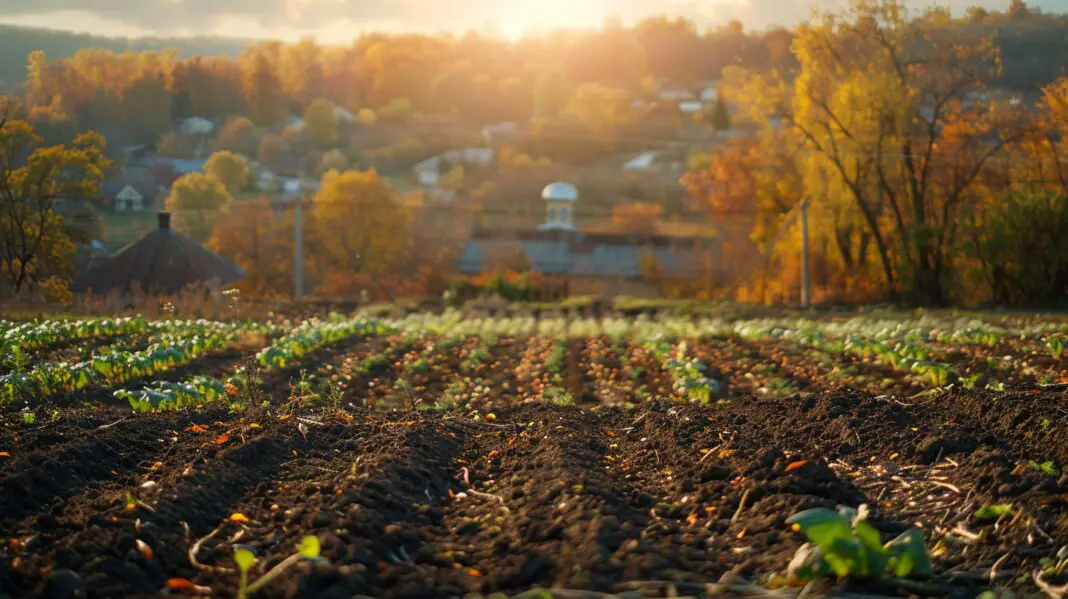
(17,42)
(1034,47)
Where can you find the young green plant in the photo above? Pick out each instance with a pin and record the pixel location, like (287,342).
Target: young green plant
(245,559)
(843,542)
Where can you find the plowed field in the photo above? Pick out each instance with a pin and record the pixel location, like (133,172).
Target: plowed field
(434,466)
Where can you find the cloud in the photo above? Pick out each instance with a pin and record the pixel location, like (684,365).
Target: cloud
(205,16)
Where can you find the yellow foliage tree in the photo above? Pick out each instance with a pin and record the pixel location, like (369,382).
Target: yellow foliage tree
(197,202)
(229,168)
(603,109)
(361,226)
(35,250)
(886,106)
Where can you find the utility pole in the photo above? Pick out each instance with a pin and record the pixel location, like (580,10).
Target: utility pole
(805,283)
(298,248)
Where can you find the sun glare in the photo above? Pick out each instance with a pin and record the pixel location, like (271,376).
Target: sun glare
(520,17)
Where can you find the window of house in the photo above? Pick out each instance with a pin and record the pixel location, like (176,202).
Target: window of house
(565,214)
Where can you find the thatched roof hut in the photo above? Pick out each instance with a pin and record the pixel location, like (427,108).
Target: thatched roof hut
(163,261)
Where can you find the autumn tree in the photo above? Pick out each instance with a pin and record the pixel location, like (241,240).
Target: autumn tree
(198,201)
(334,160)
(1014,235)
(362,227)
(260,240)
(639,217)
(604,109)
(321,118)
(230,169)
(238,134)
(263,89)
(271,149)
(35,248)
(886,107)
(146,107)
(175,144)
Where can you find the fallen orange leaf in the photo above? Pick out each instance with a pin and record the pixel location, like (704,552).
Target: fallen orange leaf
(795,465)
(474,572)
(254,425)
(283,417)
(155,466)
(196,428)
(144,549)
(180,584)
(223,438)
(4,454)
(238,517)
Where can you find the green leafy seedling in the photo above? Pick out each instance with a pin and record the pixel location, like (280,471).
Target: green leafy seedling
(245,559)
(308,549)
(844,542)
(1047,467)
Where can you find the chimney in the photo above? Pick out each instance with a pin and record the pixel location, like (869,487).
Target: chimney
(164,220)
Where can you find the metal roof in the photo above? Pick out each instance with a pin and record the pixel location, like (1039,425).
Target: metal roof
(577,256)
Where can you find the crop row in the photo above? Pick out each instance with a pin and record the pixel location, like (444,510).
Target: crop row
(282,353)
(111,368)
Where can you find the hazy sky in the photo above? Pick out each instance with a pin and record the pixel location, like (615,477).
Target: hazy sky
(342,20)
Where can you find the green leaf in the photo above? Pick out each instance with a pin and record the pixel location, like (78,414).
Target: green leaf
(873,555)
(910,554)
(843,556)
(992,512)
(244,558)
(821,526)
(309,547)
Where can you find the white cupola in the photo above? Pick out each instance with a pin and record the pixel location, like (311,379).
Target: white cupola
(560,198)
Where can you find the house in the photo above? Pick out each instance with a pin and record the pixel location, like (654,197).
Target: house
(134,189)
(592,263)
(344,116)
(169,170)
(163,261)
(428,172)
(139,154)
(641,162)
(677,95)
(471,156)
(499,132)
(197,126)
(691,106)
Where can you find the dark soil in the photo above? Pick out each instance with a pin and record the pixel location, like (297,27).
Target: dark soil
(441,504)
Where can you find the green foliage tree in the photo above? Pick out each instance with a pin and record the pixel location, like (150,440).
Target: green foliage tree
(229,168)
(321,117)
(85,224)
(197,201)
(35,249)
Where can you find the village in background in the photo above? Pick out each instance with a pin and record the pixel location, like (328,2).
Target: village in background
(654,161)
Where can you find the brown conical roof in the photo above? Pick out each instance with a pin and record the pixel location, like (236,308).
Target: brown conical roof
(163,261)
